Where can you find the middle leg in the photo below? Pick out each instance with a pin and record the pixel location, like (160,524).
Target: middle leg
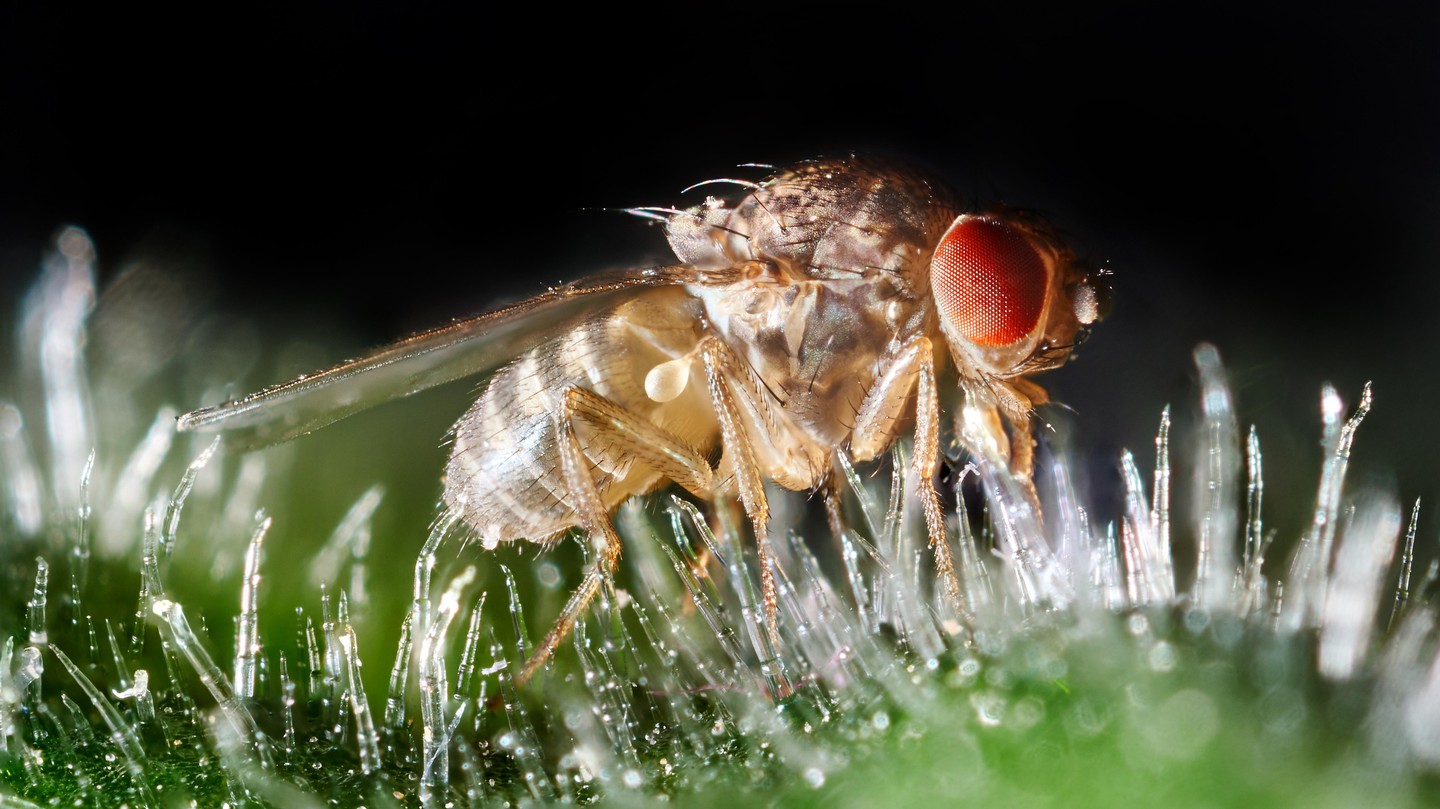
(912,370)
(722,372)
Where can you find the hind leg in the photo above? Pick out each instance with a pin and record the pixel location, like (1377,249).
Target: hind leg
(620,431)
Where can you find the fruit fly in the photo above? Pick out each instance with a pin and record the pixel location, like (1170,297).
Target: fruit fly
(818,313)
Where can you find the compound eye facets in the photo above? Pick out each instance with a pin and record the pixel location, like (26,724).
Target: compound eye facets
(989,282)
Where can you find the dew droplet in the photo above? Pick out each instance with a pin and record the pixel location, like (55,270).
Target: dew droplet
(1162,657)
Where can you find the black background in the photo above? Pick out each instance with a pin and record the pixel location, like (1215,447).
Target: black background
(1264,179)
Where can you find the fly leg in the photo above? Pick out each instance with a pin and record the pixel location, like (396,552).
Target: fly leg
(912,370)
(605,427)
(610,428)
(1028,396)
(723,371)
(830,494)
(1012,405)
(1022,458)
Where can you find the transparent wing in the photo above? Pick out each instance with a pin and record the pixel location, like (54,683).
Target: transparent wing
(473,346)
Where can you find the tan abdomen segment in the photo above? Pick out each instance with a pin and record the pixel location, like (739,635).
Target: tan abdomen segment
(504,478)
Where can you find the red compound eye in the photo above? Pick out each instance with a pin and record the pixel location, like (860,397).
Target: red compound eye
(989,282)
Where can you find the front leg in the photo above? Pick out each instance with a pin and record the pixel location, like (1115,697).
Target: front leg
(912,370)
(1020,406)
(1001,418)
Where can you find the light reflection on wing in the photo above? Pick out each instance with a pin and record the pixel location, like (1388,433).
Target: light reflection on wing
(469,347)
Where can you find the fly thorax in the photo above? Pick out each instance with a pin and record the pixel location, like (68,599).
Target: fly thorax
(814,344)
(763,319)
